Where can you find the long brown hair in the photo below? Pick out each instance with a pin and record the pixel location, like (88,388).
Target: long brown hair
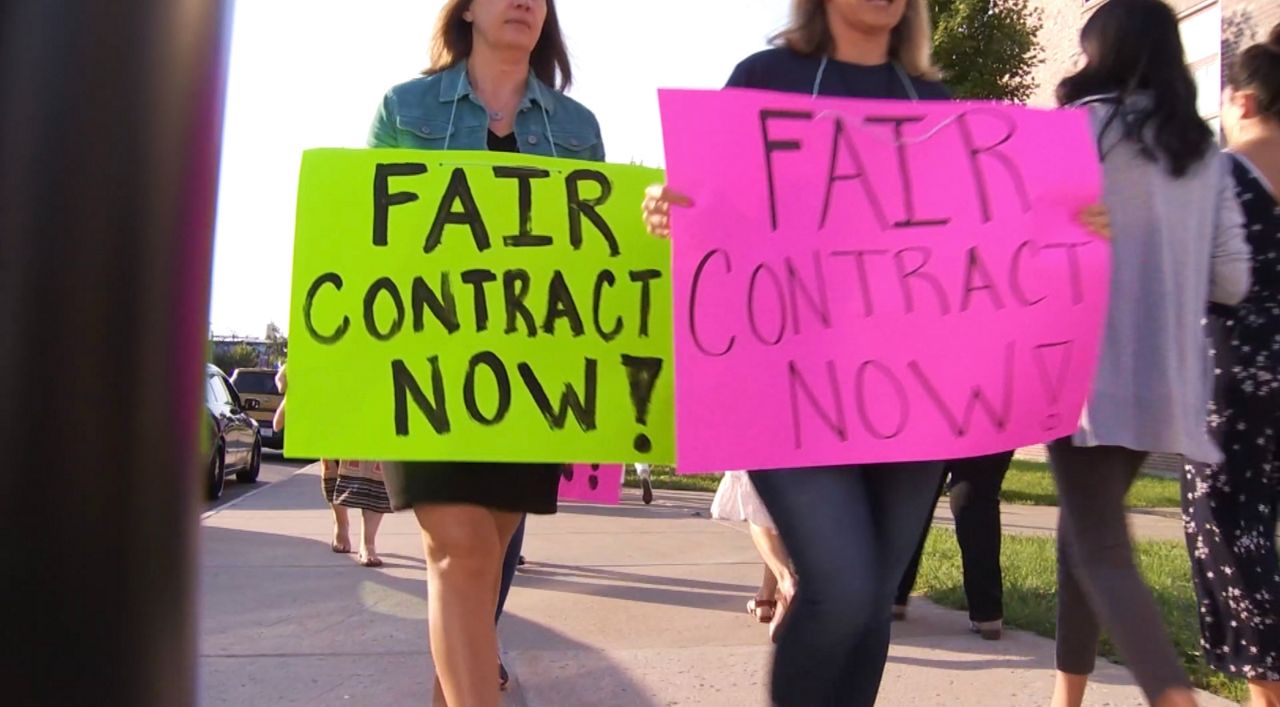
(910,44)
(451,44)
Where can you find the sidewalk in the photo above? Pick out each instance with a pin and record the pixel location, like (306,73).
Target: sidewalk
(1144,523)
(631,605)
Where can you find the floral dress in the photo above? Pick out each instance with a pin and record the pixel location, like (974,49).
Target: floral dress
(1229,510)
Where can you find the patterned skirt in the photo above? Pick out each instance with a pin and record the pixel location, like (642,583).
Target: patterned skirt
(355,484)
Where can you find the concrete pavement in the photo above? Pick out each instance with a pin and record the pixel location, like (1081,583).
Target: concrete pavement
(631,605)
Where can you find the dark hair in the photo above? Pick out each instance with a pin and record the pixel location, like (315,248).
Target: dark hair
(452,44)
(1133,46)
(1257,69)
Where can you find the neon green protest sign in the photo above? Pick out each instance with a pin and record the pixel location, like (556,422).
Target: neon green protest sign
(477,306)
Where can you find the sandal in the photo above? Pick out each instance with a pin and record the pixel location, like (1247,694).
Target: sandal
(370,560)
(504,678)
(762,609)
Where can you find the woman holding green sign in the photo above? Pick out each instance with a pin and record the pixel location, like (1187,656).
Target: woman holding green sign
(497,73)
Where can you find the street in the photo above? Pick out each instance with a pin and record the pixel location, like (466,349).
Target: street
(275,468)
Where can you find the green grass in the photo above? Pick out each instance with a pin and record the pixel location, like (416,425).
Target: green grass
(1031,484)
(1030,587)
(1028,484)
(664,477)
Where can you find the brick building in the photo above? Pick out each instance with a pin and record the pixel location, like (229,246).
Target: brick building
(1212,32)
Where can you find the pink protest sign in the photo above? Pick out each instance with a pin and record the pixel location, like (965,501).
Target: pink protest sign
(871,281)
(592,483)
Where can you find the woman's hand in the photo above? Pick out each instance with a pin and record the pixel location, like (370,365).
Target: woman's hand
(658,200)
(1096,218)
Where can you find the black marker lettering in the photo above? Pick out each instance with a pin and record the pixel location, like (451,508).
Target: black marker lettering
(443,305)
(458,193)
(904,171)
(906,275)
(763,268)
(406,386)
(864,281)
(329,278)
(833,419)
(560,305)
(693,303)
(515,288)
(478,279)
(974,271)
(383,199)
(904,403)
(644,277)
(1015,277)
(387,285)
(526,238)
(501,380)
(584,411)
(990,151)
(771,146)
(580,207)
(606,277)
(1073,267)
(841,139)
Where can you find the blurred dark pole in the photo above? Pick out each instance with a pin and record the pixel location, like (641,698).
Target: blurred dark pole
(110,122)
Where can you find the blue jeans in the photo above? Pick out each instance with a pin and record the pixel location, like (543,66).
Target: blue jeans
(851,531)
(509,563)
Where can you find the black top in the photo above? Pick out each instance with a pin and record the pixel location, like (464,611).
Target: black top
(503,143)
(785,70)
(1254,325)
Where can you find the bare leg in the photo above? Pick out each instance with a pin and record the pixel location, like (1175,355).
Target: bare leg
(464,546)
(776,558)
(370,520)
(1176,697)
(341,529)
(1068,690)
(1264,693)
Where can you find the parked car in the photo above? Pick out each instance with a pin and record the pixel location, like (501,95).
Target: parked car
(234,442)
(259,385)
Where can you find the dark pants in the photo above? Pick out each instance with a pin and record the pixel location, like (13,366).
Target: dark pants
(850,531)
(974,485)
(1098,583)
(509,563)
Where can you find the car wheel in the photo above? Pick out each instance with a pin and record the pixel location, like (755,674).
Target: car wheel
(250,474)
(217,474)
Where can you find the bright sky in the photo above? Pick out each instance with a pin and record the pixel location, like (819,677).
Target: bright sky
(310,73)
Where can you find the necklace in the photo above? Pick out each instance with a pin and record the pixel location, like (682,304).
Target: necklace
(496,116)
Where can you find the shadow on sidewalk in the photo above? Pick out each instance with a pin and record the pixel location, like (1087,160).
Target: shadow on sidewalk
(283,620)
(632,586)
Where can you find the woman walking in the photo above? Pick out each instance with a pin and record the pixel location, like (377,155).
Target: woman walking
(1229,509)
(1178,244)
(495,83)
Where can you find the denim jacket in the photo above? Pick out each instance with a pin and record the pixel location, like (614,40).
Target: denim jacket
(439,111)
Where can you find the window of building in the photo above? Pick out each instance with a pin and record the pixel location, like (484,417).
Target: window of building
(1201,32)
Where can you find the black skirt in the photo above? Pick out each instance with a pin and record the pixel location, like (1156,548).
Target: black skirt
(520,488)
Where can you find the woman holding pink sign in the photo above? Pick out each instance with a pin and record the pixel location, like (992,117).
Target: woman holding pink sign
(850,530)
(496,80)
(1179,243)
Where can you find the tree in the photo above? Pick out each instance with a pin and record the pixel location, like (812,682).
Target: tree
(277,345)
(239,356)
(987,49)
